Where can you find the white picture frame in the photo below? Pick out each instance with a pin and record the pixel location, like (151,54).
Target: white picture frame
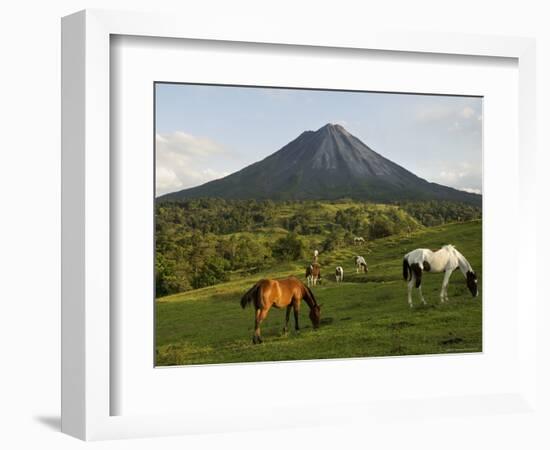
(87,386)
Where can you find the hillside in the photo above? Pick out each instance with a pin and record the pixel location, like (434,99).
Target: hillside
(367,315)
(207,241)
(326,164)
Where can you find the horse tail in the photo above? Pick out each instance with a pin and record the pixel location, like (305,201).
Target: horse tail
(407,274)
(251,296)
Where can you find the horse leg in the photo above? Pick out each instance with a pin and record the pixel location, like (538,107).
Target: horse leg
(410,285)
(256,337)
(443,295)
(287,318)
(261,314)
(421,296)
(296,307)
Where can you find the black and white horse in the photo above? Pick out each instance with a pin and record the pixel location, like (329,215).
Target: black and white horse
(339,274)
(358,240)
(361,264)
(447,259)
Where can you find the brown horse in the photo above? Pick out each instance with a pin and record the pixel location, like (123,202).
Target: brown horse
(287,292)
(313,274)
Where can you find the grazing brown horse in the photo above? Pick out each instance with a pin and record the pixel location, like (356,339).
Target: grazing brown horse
(287,292)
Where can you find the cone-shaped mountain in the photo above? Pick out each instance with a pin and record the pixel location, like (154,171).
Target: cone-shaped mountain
(326,164)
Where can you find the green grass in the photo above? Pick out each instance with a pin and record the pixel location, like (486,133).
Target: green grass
(367,315)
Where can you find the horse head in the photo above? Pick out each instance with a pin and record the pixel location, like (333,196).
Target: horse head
(315,315)
(471,281)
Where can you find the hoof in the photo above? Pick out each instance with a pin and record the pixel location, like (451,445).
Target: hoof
(256,340)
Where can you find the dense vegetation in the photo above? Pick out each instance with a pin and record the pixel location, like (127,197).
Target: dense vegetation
(203,242)
(432,213)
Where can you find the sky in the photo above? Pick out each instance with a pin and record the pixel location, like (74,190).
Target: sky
(207,132)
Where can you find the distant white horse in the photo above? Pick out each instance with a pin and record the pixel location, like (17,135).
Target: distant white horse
(315,256)
(358,240)
(447,259)
(361,264)
(339,274)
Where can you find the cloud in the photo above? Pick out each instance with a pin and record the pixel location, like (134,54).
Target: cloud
(184,160)
(454,119)
(451,177)
(471,190)
(342,122)
(431,113)
(467,112)
(464,176)
(187,144)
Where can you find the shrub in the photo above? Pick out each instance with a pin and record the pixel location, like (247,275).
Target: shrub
(212,272)
(288,248)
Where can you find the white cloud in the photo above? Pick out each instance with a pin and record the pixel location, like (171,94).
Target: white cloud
(451,176)
(464,176)
(467,112)
(344,123)
(463,119)
(183,160)
(432,113)
(471,190)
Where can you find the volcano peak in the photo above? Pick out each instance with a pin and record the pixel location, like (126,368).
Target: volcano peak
(326,164)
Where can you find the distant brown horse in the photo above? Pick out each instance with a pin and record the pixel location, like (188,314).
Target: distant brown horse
(287,292)
(313,274)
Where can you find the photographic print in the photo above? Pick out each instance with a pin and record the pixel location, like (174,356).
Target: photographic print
(299,224)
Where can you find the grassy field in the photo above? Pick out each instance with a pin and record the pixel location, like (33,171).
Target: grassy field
(367,315)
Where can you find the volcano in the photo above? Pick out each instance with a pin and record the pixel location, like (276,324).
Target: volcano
(326,164)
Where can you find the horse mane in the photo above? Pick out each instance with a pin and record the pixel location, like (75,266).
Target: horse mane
(462,259)
(309,297)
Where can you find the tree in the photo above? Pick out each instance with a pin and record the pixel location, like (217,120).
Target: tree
(214,271)
(288,248)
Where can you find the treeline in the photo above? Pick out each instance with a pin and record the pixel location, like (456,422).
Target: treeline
(433,213)
(201,242)
(219,216)
(199,259)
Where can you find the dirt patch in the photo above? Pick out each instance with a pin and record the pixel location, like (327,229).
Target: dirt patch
(452,340)
(400,325)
